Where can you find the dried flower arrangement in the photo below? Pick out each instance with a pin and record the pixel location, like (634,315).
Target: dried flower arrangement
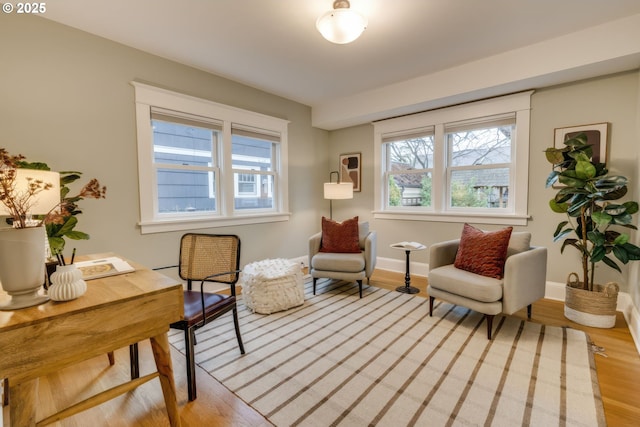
(61,220)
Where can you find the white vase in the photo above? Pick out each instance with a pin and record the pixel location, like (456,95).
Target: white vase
(66,283)
(22,266)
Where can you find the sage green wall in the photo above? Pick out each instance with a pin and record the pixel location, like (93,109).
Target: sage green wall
(612,99)
(65,99)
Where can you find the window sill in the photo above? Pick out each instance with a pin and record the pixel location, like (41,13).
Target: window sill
(505,219)
(184,224)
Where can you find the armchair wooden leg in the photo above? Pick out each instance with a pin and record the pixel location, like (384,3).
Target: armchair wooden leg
(529,311)
(431,299)
(489,324)
(360,287)
(314,285)
(112,358)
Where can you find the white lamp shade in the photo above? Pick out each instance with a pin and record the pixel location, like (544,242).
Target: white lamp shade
(338,190)
(341,26)
(44,201)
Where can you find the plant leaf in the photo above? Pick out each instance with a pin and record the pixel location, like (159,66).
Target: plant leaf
(611,264)
(633,252)
(621,254)
(77,235)
(555,155)
(552,178)
(631,207)
(558,207)
(602,219)
(596,237)
(585,170)
(621,239)
(598,253)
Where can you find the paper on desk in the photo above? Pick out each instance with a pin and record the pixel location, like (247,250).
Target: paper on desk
(103,267)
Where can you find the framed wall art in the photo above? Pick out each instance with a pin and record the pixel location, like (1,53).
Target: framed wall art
(597,135)
(350,169)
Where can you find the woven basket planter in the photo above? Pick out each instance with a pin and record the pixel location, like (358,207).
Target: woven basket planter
(595,308)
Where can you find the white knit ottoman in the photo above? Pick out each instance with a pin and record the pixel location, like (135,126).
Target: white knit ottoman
(272,285)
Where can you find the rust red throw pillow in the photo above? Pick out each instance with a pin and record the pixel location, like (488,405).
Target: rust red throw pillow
(340,237)
(483,252)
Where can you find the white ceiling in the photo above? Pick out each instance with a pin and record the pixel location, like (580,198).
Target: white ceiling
(410,51)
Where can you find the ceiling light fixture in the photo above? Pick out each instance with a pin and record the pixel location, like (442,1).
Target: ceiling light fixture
(342,24)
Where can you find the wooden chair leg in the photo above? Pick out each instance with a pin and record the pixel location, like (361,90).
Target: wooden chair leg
(5,392)
(189,338)
(112,358)
(360,287)
(431,299)
(529,311)
(237,325)
(489,324)
(314,285)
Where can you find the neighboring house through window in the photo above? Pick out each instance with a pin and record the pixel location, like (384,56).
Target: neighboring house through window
(203,164)
(463,163)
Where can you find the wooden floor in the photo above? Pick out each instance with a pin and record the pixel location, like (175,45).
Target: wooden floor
(618,373)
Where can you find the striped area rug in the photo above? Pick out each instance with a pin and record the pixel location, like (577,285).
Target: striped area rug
(339,360)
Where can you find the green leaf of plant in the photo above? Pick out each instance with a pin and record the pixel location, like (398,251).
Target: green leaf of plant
(602,219)
(558,207)
(77,235)
(554,155)
(611,264)
(621,239)
(633,252)
(68,226)
(614,209)
(561,234)
(571,181)
(596,237)
(622,219)
(576,204)
(56,243)
(559,227)
(580,157)
(598,253)
(631,207)
(621,254)
(615,194)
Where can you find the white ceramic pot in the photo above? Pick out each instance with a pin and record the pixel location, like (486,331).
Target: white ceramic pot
(66,283)
(22,266)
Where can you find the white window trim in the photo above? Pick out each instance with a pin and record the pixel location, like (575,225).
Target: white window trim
(147,96)
(519,103)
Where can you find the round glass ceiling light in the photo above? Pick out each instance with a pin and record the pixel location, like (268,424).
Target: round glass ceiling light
(342,24)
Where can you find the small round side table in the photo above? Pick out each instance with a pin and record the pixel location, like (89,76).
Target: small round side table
(408,247)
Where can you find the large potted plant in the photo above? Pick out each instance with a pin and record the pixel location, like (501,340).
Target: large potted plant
(589,197)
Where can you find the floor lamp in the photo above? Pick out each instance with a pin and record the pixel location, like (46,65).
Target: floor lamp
(337,190)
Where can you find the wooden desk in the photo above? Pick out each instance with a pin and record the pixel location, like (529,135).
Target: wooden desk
(115,312)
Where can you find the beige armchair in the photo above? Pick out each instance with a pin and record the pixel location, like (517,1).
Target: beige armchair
(523,282)
(353,267)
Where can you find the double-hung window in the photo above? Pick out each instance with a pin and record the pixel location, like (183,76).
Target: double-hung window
(185,163)
(254,157)
(408,169)
(461,163)
(203,164)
